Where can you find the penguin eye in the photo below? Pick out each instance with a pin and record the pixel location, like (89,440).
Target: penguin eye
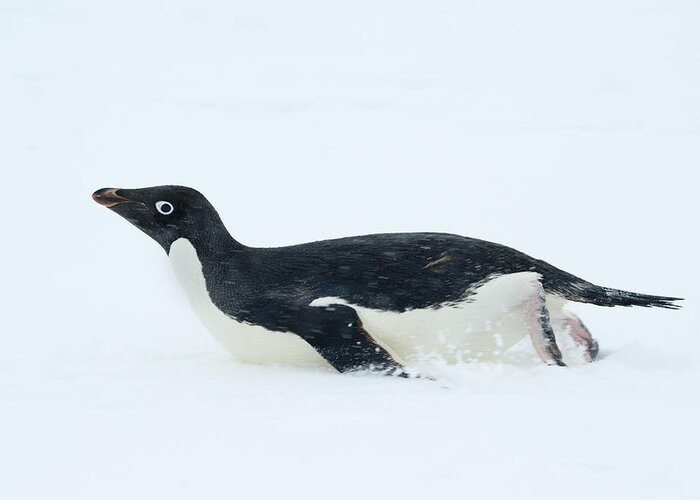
(164,207)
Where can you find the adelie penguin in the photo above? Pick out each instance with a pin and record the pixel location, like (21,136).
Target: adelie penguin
(377,302)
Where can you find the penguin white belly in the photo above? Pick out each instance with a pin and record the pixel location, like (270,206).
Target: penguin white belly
(249,343)
(484,327)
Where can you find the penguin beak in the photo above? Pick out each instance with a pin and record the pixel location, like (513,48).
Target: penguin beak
(109,197)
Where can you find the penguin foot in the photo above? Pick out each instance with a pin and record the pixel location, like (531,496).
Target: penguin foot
(581,335)
(540,328)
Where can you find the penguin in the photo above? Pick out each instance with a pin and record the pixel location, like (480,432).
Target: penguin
(377,302)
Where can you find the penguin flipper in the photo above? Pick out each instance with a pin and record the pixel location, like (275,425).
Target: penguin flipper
(335,331)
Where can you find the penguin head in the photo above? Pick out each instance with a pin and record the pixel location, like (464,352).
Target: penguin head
(165,213)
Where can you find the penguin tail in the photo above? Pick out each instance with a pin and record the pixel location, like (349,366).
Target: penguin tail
(577,290)
(582,291)
(610,297)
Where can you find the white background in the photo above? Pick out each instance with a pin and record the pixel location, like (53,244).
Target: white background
(570,131)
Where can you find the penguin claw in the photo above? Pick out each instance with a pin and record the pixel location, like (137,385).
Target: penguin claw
(592,351)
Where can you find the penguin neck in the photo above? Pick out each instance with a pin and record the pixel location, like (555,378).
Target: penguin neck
(214,242)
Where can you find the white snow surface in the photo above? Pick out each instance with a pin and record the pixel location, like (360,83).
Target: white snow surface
(570,131)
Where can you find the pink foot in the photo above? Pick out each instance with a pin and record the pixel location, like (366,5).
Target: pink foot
(581,336)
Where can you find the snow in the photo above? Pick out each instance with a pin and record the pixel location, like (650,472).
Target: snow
(566,130)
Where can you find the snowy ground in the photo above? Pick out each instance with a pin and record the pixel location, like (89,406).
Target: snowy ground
(569,131)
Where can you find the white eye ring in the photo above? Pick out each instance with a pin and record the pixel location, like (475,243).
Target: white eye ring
(164,207)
